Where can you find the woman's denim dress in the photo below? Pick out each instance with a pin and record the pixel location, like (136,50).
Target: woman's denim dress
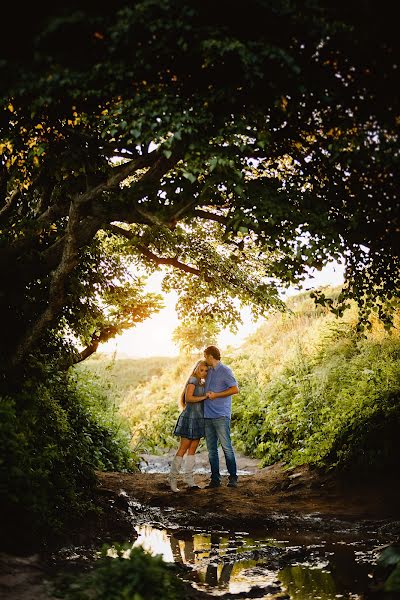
(190,423)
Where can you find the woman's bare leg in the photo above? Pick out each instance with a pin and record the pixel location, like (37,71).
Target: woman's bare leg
(193,446)
(184,446)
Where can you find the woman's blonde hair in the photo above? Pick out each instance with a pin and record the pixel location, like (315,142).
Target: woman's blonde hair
(182,401)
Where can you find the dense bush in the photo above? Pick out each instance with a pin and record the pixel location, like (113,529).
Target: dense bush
(54,433)
(333,399)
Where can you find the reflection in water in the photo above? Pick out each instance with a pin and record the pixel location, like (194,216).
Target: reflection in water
(230,562)
(155,541)
(341,576)
(305,583)
(210,556)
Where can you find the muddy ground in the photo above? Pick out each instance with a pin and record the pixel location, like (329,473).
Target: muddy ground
(274,498)
(263,494)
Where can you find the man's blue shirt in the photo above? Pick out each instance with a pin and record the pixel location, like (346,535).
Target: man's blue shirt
(219,379)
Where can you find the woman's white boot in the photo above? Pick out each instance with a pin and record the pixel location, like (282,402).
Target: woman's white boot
(174,472)
(188,471)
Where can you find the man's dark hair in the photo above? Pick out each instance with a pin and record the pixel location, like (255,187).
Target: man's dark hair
(213,350)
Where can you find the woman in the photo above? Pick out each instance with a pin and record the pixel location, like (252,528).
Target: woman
(190,425)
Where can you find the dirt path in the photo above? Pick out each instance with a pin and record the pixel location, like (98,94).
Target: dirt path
(263,496)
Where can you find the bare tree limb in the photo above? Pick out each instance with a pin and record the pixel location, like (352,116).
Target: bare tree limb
(97,338)
(173,262)
(84,354)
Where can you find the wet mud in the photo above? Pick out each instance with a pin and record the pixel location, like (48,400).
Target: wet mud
(282,533)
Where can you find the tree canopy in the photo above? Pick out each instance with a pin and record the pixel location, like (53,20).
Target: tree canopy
(238,147)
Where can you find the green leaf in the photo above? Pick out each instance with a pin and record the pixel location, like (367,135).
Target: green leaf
(190,176)
(389,556)
(392,584)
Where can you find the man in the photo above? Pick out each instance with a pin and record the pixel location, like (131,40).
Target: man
(220,387)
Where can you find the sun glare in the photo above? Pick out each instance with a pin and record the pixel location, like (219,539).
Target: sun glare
(153,337)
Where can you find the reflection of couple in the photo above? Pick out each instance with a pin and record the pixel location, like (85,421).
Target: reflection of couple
(207,406)
(217,571)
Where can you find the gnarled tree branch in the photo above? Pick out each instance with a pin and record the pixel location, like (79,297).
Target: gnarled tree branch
(204,214)
(57,291)
(158,260)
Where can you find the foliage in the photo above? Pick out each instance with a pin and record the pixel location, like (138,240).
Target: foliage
(124,573)
(389,559)
(237,148)
(111,447)
(194,337)
(332,399)
(54,434)
(312,390)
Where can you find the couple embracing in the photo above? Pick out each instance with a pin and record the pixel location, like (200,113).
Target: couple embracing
(207,405)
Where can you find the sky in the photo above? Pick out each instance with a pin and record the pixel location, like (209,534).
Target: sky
(153,337)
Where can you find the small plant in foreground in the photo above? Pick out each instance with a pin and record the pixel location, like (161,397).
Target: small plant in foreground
(124,573)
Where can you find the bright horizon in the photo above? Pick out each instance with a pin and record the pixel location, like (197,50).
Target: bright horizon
(153,337)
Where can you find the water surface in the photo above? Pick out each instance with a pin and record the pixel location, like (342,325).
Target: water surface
(313,567)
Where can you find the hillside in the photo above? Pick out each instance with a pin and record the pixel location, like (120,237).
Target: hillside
(120,376)
(312,390)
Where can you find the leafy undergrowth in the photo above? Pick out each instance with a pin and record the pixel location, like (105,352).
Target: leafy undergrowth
(55,432)
(123,573)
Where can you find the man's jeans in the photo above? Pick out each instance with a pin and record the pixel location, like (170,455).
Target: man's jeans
(219,429)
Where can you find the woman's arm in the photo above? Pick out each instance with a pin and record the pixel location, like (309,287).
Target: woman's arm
(228,392)
(189,394)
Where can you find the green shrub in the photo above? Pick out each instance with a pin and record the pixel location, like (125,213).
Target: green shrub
(53,436)
(333,400)
(128,574)
(389,563)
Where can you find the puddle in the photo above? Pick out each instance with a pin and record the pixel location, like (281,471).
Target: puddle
(151,463)
(163,467)
(221,562)
(287,559)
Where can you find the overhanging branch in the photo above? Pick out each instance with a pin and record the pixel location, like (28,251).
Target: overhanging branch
(158,260)
(204,214)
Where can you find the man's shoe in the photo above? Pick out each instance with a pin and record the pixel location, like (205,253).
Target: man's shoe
(213,484)
(232,483)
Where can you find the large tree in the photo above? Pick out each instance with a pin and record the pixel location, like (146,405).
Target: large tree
(238,145)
